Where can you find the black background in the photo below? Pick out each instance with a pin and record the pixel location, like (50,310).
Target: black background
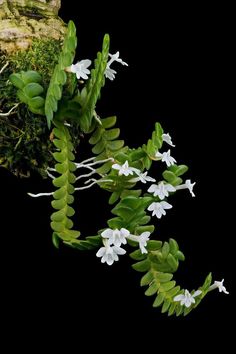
(180,75)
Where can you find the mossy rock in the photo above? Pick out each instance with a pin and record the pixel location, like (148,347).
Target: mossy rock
(25,143)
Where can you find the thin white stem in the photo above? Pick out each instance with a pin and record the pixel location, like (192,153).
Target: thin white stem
(50,175)
(133,238)
(86,175)
(67,124)
(85,161)
(86,187)
(182,186)
(97,118)
(100,161)
(9,112)
(40,195)
(51,169)
(4,67)
(212,287)
(85,166)
(93,183)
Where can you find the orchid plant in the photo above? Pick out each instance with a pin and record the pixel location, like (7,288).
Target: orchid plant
(69,103)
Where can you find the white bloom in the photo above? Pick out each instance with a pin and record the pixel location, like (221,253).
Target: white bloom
(115,57)
(165,157)
(187,185)
(187,299)
(142,240)
(167,139)
(158,208)
(109,254)
(116,237)
(81,69)
(161,190)
(110,73)
(142,177)
(219,285)
(124,169)
(190,186)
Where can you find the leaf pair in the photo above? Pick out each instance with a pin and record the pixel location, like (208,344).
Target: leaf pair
(29,90)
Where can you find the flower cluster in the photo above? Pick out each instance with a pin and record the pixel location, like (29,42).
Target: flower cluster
(113,239)
(80,69)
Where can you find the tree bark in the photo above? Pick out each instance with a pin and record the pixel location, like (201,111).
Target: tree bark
(23,20)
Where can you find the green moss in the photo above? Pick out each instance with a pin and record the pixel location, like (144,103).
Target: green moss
(25,143)
(41,57)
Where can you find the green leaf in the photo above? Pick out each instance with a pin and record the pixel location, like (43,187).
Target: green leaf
(99,147)
(137,255)
(36,102)
(173,263)
(105,168)
(165,249)
(172,292)
(164,277)
(153,245)
(22,97)
(167,286)
(169,176)
(55,240)
(59,215)
(57,91)
(114,197)
(152,289)
(33,89)
(165,306)
(17,81)
(142,266)
(58,204)
(147,279)
(173,246)
(159,300)
(111,134)
(108,122)
(57,226)
(68,235)
(96,136)
(180,256)
(207,282)
(31,76)
(115,145)
(158,129)
(181,169)
(144,220)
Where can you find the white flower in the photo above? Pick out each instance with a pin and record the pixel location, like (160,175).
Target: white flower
(187,299)
(124,169)
(167,139)
(142,177)
(187,185)
(165,157)
(115,57)
(158,208)
(220,286)
(109,254)
(142,240)
(161,190)
(190,186)
(116,237)
(110,73)
(81,69)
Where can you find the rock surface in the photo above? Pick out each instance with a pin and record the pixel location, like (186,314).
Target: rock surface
(23,20)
